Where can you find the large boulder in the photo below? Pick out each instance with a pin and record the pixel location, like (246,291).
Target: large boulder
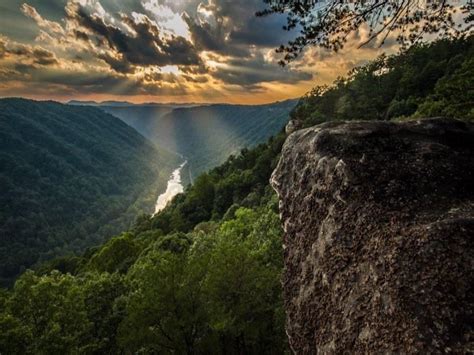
(379,228)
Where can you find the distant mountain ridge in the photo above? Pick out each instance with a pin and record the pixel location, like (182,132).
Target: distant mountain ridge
(206,135)
(70,177)
(127,103)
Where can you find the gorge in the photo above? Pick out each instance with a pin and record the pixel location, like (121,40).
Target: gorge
(375,201)
(205,134)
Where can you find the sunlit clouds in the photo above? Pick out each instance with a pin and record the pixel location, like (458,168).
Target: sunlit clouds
(158,50)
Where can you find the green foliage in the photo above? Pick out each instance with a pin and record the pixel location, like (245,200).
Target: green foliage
(165,310)
(241,180)
(243,284)
(206,135)
(426,80)
(330,26)
(60,313)
(217,287)
(104,300)
(116,255)
(222,291)
(51,313)
(203,276)
(70,177)
(453,95)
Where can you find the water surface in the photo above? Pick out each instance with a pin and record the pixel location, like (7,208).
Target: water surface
(174,187)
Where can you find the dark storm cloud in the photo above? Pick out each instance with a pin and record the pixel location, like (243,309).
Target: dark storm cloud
(24,68)
(3,48)
(81,35)
(265,32)
(44,57)
(255,70)
(204,36)
(161,77)
(231,27)
(85,83)
(119,65)
(36,55)
(146,47)
(213,38)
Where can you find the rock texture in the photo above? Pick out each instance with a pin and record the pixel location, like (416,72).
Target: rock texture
(379,228)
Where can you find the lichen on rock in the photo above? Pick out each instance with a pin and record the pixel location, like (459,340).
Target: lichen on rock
(379,226)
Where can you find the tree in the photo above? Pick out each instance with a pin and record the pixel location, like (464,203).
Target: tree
(329,23)
(116,255)
(45,315)
(425,80)
(453,95)
(242,285)
(165,311)
(103,297)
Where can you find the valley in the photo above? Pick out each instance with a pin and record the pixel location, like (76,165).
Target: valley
(205,135)
(71,177)
(338,223)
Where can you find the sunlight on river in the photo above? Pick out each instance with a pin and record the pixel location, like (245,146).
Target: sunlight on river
(174,187)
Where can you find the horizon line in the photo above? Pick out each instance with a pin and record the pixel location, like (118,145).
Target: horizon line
(144,103)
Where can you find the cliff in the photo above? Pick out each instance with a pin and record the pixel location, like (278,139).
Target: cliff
(379,223)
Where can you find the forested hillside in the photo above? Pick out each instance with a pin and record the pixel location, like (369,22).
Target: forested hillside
(426,81)
(407,81)
(70,176)
(203,276)
(205,135)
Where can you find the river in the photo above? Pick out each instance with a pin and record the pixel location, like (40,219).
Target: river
(174,187)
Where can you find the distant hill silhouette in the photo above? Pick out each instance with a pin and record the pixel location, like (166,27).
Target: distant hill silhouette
(126,103)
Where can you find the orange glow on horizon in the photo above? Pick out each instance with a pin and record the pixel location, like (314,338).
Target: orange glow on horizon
(277,93)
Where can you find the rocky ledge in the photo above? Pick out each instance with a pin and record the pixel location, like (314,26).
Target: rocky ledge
(379,228)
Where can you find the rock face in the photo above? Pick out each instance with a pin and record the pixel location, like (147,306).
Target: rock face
(379,228)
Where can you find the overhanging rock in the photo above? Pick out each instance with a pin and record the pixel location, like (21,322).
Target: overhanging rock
(379,228)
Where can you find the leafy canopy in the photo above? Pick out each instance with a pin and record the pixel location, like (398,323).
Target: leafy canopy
(329,23)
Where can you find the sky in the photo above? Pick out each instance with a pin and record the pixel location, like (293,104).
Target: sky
(159,51)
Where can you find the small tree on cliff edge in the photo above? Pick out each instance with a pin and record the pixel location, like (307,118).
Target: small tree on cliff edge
(328,23)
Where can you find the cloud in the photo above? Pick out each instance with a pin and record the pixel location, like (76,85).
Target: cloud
(161,77)
(44,57)
(50,26)
(144,45)
(231,28)
(8,74)
(254,70)
(166,18)
(80,35)
(31,54)
(216,49)
(79,82)
(118,64)
(3,48)
(204,36)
